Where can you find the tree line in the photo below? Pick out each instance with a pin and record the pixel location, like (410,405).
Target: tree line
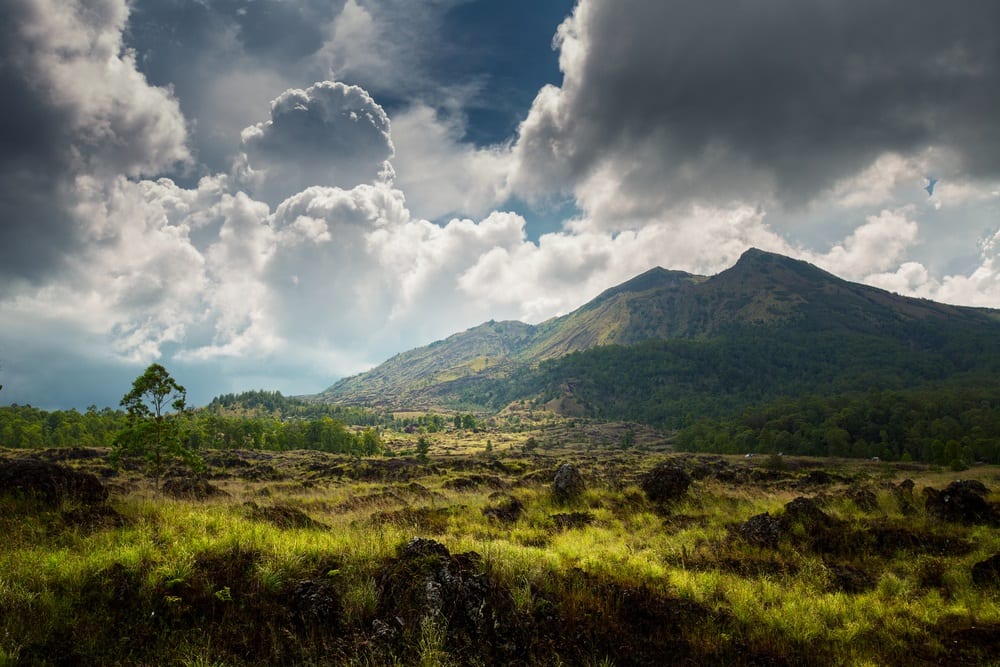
(954,427)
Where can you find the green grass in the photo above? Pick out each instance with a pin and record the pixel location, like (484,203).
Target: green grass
(200,582)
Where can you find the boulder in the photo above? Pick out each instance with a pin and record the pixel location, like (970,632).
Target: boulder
(665,483)
(568,483)
(425,582)
(282,516)
(987,573)
(190,488)
(806,512)
(315,604)
(762,530)
(962,501)
(507,510)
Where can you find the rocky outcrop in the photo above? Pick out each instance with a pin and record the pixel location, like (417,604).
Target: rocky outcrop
(568,483)
(962,501)
(49,483)
(665,483)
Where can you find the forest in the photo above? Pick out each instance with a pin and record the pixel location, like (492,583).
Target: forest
(264,420)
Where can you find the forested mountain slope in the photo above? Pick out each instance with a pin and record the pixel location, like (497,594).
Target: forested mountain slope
(668,347)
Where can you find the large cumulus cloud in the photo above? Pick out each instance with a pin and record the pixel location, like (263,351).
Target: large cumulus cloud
(667,102)
(328,134)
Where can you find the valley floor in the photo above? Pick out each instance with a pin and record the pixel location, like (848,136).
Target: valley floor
(474,558)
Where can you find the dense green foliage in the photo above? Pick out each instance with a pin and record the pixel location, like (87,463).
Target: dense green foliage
(274,403)
(671,383)
(947,427)
(206,428)
(24,426)
(682,383)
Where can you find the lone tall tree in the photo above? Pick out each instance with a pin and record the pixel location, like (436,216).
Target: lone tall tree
(155,407)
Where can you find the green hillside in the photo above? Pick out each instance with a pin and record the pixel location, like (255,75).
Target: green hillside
(668,347)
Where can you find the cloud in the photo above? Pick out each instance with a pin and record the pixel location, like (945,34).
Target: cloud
(327,134)
(979,287)
(667,103)
(226,59)
(74,104)
(441,174)
(875,246)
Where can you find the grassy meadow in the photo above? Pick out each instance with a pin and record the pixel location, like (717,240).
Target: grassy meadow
(304,557)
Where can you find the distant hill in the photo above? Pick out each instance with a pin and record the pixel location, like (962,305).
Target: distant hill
(667,347)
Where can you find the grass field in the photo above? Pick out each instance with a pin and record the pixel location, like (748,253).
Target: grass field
(469,558)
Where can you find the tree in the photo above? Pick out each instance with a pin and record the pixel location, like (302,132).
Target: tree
(153,431)
(423,446)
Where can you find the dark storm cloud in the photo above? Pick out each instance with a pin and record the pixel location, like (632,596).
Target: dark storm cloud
(71,105)
(803,91)
(168,33)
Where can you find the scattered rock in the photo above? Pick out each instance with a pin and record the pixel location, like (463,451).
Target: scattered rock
(962,501)
(806,512)
(282,516)
(665,483)
(315,603)
(508,510)
(190,488)
(49,482)
(864,498)
(816,478)
(568,483)
(762,530)
(887,540)
(986,573)
(94,517)
(469,482)
(427,583)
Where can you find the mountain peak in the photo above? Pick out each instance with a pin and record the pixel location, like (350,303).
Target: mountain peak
(757,262)
(655,278)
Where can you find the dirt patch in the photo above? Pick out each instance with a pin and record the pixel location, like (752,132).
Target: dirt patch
(93,517)
(385,497)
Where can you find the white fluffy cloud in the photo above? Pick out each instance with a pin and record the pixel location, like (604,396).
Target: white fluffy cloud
(328,134)
(440,174)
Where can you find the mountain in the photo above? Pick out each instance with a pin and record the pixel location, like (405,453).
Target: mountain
(667,346)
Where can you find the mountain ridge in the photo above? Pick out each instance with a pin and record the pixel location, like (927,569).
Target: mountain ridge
(761,290)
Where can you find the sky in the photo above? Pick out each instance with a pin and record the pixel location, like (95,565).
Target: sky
(278,193)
